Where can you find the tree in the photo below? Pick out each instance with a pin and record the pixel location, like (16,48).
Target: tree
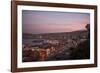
(82,51)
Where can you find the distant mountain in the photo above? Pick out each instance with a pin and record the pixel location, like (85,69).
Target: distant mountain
(54,33)
(27,35)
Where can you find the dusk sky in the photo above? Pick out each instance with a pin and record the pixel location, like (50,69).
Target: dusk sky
(36,22)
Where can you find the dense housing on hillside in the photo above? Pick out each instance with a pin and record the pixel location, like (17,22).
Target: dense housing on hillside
(51,46)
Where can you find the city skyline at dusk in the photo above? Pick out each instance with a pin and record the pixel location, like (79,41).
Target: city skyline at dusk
(37,22)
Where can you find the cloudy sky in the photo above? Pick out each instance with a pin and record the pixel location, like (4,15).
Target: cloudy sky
(36,22)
